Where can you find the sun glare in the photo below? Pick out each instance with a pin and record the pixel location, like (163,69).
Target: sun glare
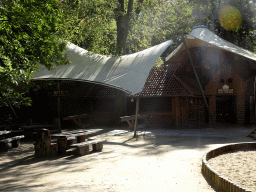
(230,18)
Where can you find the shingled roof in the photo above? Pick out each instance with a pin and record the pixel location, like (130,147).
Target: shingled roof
(162,82)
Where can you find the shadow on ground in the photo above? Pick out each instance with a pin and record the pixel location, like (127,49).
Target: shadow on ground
(20,166)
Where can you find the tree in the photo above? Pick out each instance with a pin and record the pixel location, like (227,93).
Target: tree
(28,37)
(123,26)
(99,26)
(160,22)
(89,24)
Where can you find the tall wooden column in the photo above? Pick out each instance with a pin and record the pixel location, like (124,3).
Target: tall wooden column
(56,121)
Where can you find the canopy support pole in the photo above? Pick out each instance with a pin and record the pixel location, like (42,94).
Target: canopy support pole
(254,100)
(197,78)
(136,117)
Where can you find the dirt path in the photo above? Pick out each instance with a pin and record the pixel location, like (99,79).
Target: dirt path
(149,163)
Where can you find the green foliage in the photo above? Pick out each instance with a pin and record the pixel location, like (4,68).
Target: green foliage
(27,37)
(159,22)
(89,24)
(107,27)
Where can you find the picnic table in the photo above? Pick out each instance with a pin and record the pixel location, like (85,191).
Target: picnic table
(78,117)
(31,131)
(131,121)
(77,139)
(66,138)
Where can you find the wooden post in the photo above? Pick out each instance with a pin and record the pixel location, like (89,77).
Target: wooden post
(136,116)
(57,120)
(255,99)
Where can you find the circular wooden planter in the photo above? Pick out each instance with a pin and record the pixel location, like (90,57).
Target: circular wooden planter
(216,178)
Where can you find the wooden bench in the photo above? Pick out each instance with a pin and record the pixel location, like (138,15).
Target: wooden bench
(131,121)
(83,148)
(4,134)
(14,140)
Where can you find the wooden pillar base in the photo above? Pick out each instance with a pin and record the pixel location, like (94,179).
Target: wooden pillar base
(62,145)
(69,142)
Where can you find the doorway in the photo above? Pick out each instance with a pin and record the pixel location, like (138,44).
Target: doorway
(226,109)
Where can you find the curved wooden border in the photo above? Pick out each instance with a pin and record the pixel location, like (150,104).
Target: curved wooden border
(216,178)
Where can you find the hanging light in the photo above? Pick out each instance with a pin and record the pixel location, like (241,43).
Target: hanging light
(132,100)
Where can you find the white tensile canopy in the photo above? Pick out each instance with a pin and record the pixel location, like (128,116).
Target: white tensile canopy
(201,36)
(127,73)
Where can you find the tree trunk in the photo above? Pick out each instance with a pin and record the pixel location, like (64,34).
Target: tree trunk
(123,26)
(122,32)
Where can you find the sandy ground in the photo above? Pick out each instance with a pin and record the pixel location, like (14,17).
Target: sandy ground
(240,167)
(158,160)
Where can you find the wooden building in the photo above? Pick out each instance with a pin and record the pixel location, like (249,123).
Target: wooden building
(227,80)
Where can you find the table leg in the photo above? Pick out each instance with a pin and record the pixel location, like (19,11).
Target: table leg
(83,150)
(81,138)
(97,146)
(146,121)
(62,144)
(131,124)
(69,142)
(79,124)
(16,143)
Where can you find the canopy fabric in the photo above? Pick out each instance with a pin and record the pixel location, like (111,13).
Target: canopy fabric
(127,73)
(204,37)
